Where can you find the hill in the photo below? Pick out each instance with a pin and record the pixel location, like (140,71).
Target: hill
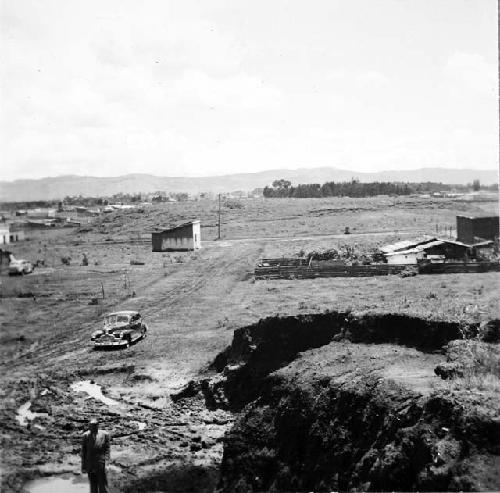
(61,186)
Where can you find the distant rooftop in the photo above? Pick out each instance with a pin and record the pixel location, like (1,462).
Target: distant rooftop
(480,216)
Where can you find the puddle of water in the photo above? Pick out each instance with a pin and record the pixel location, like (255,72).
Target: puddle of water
(93,390)
(24,414)
(58,485)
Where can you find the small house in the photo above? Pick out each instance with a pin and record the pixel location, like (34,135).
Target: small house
(405,257)
(184,237)
(435,251)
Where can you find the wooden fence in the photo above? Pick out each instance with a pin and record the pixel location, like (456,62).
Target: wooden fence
(459,267)
(278,269)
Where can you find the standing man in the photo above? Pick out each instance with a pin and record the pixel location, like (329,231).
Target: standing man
(95,452)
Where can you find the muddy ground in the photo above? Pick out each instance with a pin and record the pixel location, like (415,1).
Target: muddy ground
(192,303)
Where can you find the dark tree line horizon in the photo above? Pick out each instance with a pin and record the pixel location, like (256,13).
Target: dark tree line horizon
(356,189)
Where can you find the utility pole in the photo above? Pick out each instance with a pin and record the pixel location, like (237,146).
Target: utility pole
(219,216)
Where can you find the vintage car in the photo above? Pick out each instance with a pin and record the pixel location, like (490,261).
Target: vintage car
(120,329)
(18,267)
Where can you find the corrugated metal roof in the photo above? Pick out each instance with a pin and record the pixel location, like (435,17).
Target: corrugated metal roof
(424,246)
(405,245)
(179,226)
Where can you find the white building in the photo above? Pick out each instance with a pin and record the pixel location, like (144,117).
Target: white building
(184,237)
(4,235)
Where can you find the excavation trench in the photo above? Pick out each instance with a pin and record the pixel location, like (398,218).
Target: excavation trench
(319,407)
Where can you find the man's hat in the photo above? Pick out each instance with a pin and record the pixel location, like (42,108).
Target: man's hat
(93,421)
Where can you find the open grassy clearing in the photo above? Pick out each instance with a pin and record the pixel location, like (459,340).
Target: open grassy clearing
(285,217)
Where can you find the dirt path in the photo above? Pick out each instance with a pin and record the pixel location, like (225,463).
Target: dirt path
(189,316)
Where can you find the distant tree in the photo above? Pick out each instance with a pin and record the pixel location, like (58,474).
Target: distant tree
(282,183)
(476,185)
(181,197)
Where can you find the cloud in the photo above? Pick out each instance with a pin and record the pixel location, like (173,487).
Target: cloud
(471,72)
(239,91)
(173,87)
(371,79)
(359,79)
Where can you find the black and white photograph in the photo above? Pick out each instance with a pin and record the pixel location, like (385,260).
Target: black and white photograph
(249,246)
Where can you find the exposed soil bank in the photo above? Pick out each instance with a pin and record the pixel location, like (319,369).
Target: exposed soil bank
(338,402)
(259,349)
(365,434)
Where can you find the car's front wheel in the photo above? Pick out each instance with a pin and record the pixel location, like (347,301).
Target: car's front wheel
(128,340)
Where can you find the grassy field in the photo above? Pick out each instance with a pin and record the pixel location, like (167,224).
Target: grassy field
(286,217)
(192,302)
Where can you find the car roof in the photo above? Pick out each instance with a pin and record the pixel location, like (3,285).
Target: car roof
(124,312)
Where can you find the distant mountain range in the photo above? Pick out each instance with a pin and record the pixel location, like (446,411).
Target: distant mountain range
(61,186)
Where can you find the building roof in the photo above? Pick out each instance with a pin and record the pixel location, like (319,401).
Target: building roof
(405,245)
(424,246)
(480,216)
(179,226)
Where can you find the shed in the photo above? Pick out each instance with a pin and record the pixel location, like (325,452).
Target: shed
(444,249)
(471,229)
(184,237)
(405,257)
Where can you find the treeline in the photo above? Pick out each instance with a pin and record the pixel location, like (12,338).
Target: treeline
(354,188)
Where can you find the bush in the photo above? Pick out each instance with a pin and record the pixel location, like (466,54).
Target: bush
(233,204)
(409,271)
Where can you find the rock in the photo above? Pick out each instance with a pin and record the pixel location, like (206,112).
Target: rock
(448,371)
(195,447)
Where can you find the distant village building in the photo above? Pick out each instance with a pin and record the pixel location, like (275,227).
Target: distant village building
(472,230)
(4,235)
(17,236)
(184,237)
(41,213)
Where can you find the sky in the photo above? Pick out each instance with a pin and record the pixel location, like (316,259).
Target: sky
(210,87)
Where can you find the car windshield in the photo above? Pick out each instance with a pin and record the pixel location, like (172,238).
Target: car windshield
(116,319)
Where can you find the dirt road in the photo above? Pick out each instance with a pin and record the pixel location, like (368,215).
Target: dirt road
(190,315)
